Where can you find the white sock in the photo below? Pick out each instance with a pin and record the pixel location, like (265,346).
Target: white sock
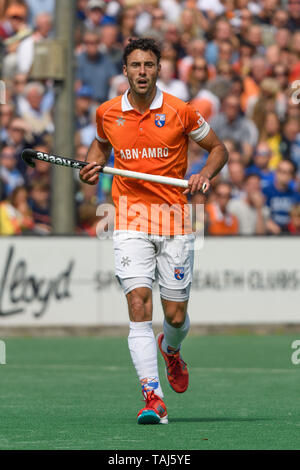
(143,351)
(173,337)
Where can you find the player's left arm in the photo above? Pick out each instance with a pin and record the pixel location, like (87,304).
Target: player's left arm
(217,158)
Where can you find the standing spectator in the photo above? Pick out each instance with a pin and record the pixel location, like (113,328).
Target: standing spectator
(220,220)
(169,84)
(250,210)
(9,174)
(198,76)
(280,197)
(95,68)
(260,167)
(231,124)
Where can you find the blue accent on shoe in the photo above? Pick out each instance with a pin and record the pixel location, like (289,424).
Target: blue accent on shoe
(148,417)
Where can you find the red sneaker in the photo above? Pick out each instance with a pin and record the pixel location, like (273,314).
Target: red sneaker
(176,368)
(155,411)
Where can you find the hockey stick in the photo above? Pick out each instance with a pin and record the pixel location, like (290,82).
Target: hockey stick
(29,156)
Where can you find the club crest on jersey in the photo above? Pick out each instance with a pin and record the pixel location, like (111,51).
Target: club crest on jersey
(179,273)
(160,120)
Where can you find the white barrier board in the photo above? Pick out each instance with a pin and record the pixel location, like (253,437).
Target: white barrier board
(70,281)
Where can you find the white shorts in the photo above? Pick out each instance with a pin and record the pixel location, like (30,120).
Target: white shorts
(142,256)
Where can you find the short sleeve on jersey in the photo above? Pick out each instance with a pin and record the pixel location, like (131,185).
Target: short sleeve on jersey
(100,134)
(196,126)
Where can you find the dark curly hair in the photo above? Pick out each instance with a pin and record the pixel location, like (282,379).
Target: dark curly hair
(144,44)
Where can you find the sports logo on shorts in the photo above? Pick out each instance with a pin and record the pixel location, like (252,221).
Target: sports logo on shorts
(160,120)
(179,273)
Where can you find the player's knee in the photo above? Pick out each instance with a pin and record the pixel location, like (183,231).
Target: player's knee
(139,305)
(175,314)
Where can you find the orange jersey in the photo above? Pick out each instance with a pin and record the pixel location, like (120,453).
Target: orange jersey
(155,142)
(220,224)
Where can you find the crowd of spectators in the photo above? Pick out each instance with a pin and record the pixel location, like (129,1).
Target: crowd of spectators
(236,61)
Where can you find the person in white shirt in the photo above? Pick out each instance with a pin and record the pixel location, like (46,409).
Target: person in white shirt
(169,84)
(251,211)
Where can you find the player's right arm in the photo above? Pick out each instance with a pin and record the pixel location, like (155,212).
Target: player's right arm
(97,157)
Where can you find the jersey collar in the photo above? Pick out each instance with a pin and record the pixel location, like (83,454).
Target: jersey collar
(156,103)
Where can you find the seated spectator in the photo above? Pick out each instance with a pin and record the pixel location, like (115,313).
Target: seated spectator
(260,166)
(269,100)
(230,123)
(290,142)
(42,170)
(87,219)
(37,7)
(18,136)
(220,220)
(9,174)
(294,13)
(270,133)
(15,214)
(236,172)
(6,115)
(258,68)
(83,103)
(95,14)
(250,210)
(94,68)
(13,31)
(207,104)
(197,77)
(39,202)
(169,84)
(294,224)
(25,51)
(155,30)
(119,84)
(109,45)
(39,121)
(222,32)
(280,197)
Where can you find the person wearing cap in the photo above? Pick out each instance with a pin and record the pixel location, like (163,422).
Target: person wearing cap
(95,15)
(84,98)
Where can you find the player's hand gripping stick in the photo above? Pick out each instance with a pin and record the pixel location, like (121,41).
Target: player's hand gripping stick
(29,155)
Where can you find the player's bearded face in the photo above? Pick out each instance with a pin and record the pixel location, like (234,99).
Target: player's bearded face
(142,71)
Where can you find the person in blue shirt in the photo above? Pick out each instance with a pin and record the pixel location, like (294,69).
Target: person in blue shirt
(280,197)
(261,158)
(94,68)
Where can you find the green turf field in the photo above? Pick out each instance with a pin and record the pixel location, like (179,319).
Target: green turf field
(81,393)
